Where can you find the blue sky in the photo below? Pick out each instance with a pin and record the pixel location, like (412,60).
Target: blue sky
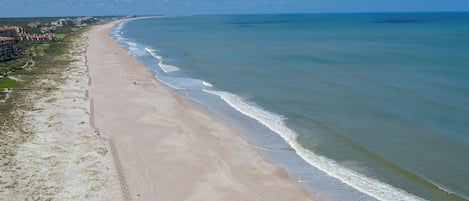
(26,8)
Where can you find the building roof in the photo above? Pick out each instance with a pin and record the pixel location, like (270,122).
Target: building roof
(6,38)
(7,28)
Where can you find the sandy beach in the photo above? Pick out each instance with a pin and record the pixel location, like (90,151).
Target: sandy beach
(166,150)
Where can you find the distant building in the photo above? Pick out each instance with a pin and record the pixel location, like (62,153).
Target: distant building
(63,22)
(10,31)
(7,48)
(18,33)
(27,36)
(34,25)
(48,29)
(83,21)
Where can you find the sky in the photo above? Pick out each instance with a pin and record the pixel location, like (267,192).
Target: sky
(39,8)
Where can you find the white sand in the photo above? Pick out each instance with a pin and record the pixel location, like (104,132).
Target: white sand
(169,151)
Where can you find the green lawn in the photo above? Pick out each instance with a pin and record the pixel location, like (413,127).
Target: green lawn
(41,48)
(60,36)
(8,83)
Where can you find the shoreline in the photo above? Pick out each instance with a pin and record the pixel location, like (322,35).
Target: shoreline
(319,175)
(165,145)
(238,96)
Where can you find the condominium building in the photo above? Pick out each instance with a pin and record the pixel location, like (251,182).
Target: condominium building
(7,48)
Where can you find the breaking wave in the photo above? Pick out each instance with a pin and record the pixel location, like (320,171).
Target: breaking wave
(165,67)
(276,123)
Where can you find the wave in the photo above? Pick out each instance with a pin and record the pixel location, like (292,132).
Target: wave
(153,53)
(276,123)
(169,84)
(446,190)
(165,67)
(136,51)
(207,84)
(181,83)
(132,44)
(116,31)
(119,26)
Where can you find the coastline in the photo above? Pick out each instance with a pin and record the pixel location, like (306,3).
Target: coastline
(258,126)
(168,150)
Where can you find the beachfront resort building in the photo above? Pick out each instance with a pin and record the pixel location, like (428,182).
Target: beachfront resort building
(18,33)
(10,31)
(7,48)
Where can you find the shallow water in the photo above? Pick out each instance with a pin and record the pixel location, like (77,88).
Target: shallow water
(382,96)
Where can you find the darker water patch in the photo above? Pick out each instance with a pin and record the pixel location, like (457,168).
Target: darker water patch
(399,21)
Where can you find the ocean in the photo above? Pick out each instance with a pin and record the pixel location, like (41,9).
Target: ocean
(359,106)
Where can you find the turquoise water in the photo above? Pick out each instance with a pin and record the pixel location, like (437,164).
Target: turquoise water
(377,101)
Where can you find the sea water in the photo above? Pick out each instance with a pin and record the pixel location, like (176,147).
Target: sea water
(360,106)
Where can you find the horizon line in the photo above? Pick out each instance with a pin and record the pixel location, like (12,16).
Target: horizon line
(262,13)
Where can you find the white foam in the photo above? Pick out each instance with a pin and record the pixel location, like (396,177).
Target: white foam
(119,26)
(276,123)
(117,30)
(132,44)
(207,84)
(118,34)
(136,51)
(165,67)
(153,53)
(168,68)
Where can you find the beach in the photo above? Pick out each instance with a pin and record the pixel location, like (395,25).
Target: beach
(166,150)
(239,107)
(353,104)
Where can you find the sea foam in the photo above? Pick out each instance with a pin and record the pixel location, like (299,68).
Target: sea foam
(276,123)
(207,84)
(165,67)
(135,49)
(132,44)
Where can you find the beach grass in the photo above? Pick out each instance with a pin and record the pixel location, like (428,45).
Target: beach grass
(40,49)
(8,83)
(60,36)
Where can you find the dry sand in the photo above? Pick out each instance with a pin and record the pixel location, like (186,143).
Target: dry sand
(167,150)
